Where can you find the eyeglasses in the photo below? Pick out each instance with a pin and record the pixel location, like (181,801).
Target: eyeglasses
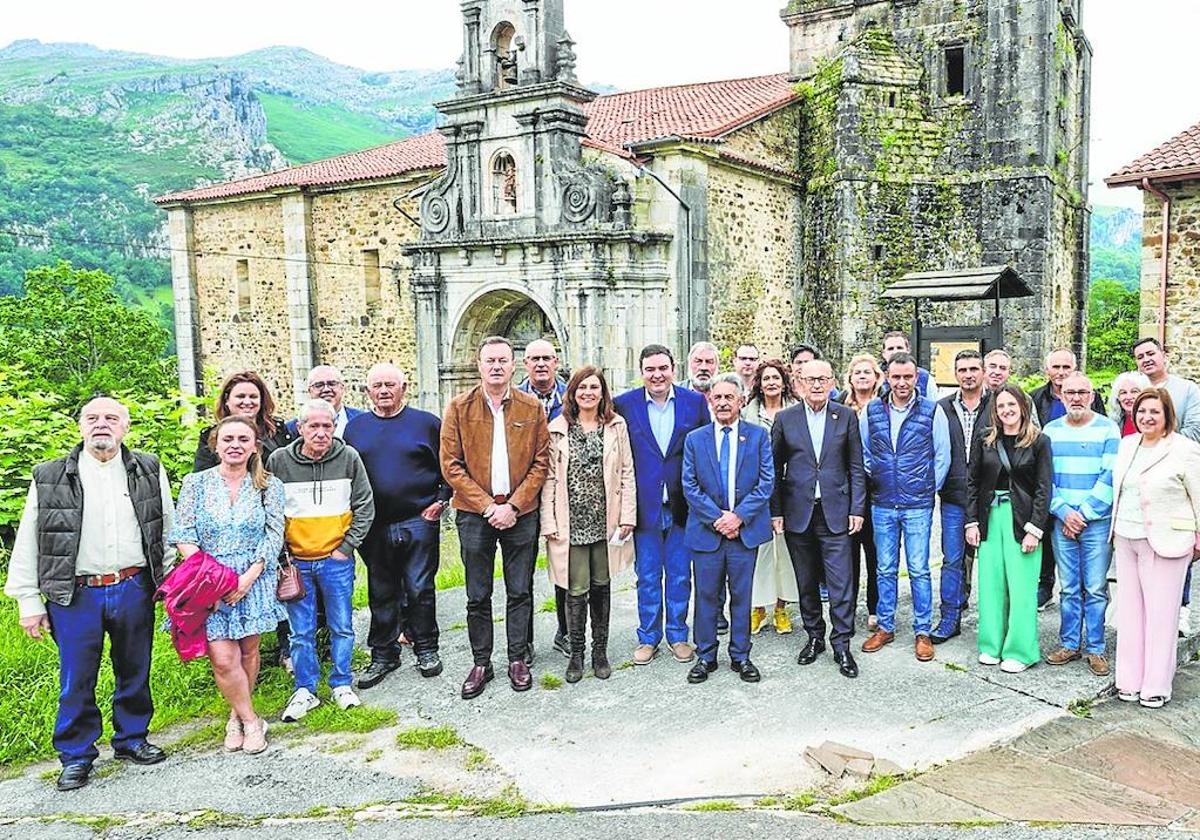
(816,380)
(1076,393)
(321,386)
(540,358)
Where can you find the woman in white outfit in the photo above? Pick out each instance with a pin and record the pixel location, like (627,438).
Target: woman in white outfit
(774,577)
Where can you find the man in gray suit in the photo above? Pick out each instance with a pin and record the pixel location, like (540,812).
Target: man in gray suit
(818,503)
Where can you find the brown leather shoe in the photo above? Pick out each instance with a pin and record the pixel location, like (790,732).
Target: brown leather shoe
(924,648)
(1098,664)
(1062,656)
(519,676)
(877,640)
(642,654)
(477,681)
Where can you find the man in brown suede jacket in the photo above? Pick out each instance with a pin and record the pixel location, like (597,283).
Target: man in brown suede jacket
(494,454)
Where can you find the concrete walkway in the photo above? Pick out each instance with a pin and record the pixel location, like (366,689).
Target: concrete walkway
(977,745)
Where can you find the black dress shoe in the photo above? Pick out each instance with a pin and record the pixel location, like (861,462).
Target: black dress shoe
(143,753)
(519,676)
(747,670)
(846,664)
(938,638)
(74,776)
(809,653)
(375,673)
(477,681)
(700,671)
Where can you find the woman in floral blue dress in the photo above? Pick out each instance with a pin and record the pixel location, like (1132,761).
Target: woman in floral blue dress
(234,511)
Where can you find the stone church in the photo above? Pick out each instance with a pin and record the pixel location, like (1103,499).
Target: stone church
(906,135)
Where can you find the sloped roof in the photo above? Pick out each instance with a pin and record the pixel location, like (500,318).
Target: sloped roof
(1178,158)
(616,123)
(959,284)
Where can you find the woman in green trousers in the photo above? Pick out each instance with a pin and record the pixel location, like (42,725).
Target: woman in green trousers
(1008,506)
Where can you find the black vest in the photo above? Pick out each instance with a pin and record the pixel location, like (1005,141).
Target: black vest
(60,518)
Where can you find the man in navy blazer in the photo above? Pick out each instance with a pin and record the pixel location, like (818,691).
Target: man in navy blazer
(659,416)
(819,502)
(325,382)
(728,475)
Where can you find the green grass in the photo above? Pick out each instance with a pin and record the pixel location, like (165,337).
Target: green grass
(305,132)
(800,801)
(876,785)
(714,805)
(954,666)
(549,605)
(329,718)
(766,801)
(1081,708)
(510,803)
(550,682)
(477,758)
(428,738)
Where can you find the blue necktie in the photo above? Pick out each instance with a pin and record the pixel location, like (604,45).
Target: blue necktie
(724,458)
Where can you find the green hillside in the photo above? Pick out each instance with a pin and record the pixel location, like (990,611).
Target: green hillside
(305,132)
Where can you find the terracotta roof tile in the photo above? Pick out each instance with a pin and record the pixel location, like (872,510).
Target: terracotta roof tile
(615,122)
(1178,156)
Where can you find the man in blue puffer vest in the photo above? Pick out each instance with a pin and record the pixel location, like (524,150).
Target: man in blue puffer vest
(906,453)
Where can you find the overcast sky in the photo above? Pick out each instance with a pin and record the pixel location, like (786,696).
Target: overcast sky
(1143,84)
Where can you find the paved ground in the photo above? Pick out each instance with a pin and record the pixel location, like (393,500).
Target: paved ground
(634,753)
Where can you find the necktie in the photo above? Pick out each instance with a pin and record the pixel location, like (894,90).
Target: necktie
(724,458)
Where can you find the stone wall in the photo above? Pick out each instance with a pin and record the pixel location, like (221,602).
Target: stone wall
(231,338)
(1183,274)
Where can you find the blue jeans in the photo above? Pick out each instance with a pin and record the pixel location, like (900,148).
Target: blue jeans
(664,573)
(333,582)
(1083,584)
(913,526)
(125,611)
(954,550)
(732,562)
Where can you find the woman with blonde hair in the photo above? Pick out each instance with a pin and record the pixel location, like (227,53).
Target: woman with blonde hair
(1125,390)
(1009,483)
(234,512)
(1156,530)
(864,382)
(774,575)
(589,510)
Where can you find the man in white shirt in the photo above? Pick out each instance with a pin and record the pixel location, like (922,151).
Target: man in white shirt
(87,558)
(325,382)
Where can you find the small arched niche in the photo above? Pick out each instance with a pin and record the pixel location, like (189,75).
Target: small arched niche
(504,55)
(504,183)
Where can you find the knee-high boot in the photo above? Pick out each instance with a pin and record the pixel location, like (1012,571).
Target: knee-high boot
(577,609)
(601,603)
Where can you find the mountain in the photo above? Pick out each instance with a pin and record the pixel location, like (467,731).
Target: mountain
(88,135)
(1116,245)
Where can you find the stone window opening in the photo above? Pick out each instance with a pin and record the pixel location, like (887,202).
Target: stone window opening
(892,99)
(372,280)
(242,276)
(504,184)
(877,253)
(505,45)
(956,71)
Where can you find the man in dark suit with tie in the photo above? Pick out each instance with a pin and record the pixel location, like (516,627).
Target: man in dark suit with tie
(728,475)
(659,416)
(819,502)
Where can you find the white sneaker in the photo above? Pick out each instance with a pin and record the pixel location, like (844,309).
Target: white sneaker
(345,697)
(988,659)
(1185,622)
(1129,696)
(1012,666)
(301,703)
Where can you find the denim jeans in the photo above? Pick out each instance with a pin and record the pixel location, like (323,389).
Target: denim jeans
(518,547)
(664,584)
(1083,584)
(332,581)
(126,612)
(954,551)
(401,573)
(912,526)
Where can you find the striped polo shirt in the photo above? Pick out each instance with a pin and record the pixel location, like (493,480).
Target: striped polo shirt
(1084,457)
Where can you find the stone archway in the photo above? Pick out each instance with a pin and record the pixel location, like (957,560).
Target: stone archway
(507,312)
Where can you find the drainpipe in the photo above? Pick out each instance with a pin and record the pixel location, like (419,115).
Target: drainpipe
(1149,187)
(687,252)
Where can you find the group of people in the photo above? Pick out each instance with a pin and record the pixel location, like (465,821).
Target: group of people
(740,492)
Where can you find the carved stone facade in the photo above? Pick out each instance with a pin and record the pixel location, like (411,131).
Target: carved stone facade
(909,136)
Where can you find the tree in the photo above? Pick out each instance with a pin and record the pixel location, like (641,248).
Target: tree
(1113,315)
(74,337)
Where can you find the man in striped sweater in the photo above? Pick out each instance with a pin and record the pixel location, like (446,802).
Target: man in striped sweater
(1084,444)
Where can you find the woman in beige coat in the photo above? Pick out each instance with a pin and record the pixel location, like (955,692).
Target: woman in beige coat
(589,509)
(1156,529)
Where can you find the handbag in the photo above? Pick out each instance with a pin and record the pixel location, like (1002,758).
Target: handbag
(289,585)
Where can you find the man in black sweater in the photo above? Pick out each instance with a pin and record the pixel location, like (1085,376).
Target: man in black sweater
(399,448)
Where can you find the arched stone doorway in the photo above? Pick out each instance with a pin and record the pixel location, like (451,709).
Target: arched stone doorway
(507,312)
